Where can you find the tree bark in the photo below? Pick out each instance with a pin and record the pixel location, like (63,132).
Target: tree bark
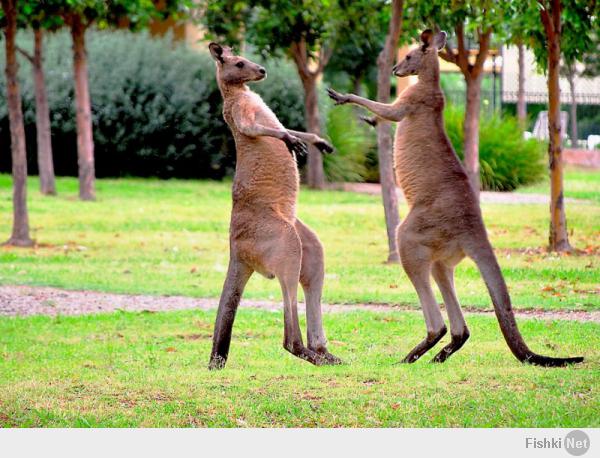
(315,177)
(473,74)
(42,119)
(571,79)
(558,237)
(471,131)
(85,142)
(357,84)
(385,62)
(20,229)
(521,104)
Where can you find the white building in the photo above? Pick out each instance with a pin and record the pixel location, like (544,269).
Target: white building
(587,90)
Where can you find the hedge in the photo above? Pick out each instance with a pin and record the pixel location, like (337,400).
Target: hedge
(506,159)
(156,106)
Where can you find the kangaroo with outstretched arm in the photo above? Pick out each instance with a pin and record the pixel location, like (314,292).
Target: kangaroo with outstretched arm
(444,222)
(265,235)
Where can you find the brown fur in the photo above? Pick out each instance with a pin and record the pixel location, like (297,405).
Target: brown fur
(265,234)
(444,222)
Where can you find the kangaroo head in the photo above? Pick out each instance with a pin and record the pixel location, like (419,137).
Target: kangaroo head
(232,69)
(422,58)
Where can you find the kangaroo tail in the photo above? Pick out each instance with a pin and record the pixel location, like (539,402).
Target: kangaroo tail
(490,271)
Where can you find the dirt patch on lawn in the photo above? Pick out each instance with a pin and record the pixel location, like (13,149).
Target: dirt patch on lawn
(33,300)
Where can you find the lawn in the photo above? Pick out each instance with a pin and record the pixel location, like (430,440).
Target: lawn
(580,184)
(170,237)
(149,369)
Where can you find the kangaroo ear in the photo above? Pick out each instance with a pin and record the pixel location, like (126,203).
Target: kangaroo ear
(426,37)
(216,51)
(439,40)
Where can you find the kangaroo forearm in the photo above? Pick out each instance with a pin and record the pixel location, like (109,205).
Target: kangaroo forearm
(389,112)
(306,136)
(258,130)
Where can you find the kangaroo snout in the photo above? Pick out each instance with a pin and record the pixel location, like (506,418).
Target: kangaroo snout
(261,73)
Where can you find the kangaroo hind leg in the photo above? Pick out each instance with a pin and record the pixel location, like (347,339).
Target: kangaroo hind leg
(286,258)
(416,261)
(444,277)
(312,273)
(238,274)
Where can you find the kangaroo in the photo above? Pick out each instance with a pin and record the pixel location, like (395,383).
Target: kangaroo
(265,235)
(444,222)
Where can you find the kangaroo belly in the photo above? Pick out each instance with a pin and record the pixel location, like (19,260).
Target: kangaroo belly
(415,172)
(264,241)
(266,177)
(427,168)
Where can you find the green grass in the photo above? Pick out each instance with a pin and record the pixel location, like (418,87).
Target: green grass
(171,237)
(579,184)
(149,369)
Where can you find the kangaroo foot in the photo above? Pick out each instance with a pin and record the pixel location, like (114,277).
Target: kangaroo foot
(331,360)
(455,344)
(306,354)
(328,358)
(425,345)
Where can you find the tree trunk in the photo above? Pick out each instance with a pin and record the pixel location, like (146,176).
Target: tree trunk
(42,120)
(357,84)
(521,104)
(558,239)
(316,176)
(20,230)
(385,62)
(471,130)
(85,142)
(574,133)
(386,165)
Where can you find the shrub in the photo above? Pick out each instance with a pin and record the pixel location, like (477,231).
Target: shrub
(156,107)
(506,160)
(352,140)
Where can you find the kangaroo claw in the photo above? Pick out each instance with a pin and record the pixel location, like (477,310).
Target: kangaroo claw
(370,120)
(338,98)
(324,147)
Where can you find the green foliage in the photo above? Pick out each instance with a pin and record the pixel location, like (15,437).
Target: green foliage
(476,16)
(156,108)
(53,14)
(352,140)
(36,14)
(579,20)
(506,160)
(225,19)
(277,24)
(360,37)
(591,58)
(272,26)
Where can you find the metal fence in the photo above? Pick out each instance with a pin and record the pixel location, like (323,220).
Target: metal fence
(490,100)
(542,97)
(493,100)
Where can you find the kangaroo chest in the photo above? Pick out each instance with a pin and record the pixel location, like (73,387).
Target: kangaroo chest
(266,176)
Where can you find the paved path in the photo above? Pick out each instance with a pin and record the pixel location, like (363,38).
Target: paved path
(29,300)
(486,197)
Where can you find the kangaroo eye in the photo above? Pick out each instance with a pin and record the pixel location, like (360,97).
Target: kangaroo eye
(240,65)
(407,57)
